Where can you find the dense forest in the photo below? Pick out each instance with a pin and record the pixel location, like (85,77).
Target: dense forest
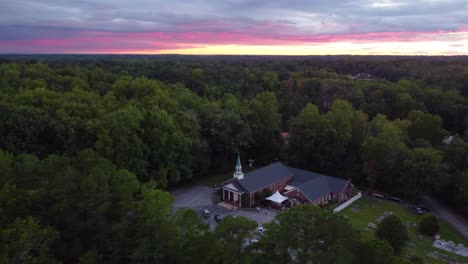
(88,143)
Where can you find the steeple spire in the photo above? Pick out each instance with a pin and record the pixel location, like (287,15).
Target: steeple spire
(238,172)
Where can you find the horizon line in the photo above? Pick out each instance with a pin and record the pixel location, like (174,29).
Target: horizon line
(220,54)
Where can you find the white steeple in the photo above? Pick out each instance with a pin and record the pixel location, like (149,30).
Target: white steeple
(238,173)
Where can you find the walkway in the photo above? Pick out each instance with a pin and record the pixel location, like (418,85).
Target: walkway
(456,221)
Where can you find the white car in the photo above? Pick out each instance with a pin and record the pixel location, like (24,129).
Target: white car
(261,230)
(206,213)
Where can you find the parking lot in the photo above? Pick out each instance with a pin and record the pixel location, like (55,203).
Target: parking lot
(198,198)
(193,196)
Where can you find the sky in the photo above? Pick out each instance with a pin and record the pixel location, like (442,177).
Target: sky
(263,27)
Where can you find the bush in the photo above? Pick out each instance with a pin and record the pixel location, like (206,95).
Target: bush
(245,199)
(416,260)
(260,197)
(267,192)
(429,225)
(394,231)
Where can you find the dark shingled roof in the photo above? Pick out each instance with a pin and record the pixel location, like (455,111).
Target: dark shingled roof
(235,184)
(265,176)
(314,185)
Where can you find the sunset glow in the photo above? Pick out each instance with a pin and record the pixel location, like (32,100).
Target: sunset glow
(233,27)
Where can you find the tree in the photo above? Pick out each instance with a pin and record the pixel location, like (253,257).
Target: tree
(375,252)
(6,166)
(270,80)
(382,156)
(322,141)
(428,225)
(260,197)
(394,231)
(26,241)
(118,139)
(195,241)
(306,233)
(426,126)
(156,236)
(265,121)
(78,188)
(231,233)
(416,260)
(422,170)
(334,147)
(245,200)
(91,257)
(305,134)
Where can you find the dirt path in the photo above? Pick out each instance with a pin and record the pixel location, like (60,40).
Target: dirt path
(456,221)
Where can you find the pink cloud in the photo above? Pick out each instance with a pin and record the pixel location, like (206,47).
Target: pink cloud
(263,33)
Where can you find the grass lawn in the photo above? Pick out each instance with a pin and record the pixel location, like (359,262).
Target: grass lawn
(367,209)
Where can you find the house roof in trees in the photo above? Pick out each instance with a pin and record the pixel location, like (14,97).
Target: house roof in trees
(265,176)
(314,185)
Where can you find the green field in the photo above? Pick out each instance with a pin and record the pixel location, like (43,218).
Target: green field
(368,209)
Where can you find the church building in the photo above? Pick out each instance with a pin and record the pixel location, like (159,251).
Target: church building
(293,183)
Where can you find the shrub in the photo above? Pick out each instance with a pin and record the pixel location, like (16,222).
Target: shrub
(260,197)
(429,225)
(416,260)
(245,199)
(267,192)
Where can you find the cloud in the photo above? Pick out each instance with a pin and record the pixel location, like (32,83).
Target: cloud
(113,25)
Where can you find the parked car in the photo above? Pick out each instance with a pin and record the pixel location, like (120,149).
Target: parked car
(424,208)
(261,230)
(417,210)
(396,199)
(378,195)
(206,213)
(218,218)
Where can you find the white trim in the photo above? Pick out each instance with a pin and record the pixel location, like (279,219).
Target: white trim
(347,203)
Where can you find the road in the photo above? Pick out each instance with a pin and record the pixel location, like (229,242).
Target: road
(446,214)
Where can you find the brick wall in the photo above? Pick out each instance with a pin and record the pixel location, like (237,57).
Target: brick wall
(277,186)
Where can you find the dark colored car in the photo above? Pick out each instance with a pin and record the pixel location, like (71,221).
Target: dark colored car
(218,218)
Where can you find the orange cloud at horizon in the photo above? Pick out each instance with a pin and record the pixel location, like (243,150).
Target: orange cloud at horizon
(334,48)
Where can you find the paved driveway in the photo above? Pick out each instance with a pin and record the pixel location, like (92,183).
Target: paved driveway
(456,221)
(262,217)
(198,198)
(193,196)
